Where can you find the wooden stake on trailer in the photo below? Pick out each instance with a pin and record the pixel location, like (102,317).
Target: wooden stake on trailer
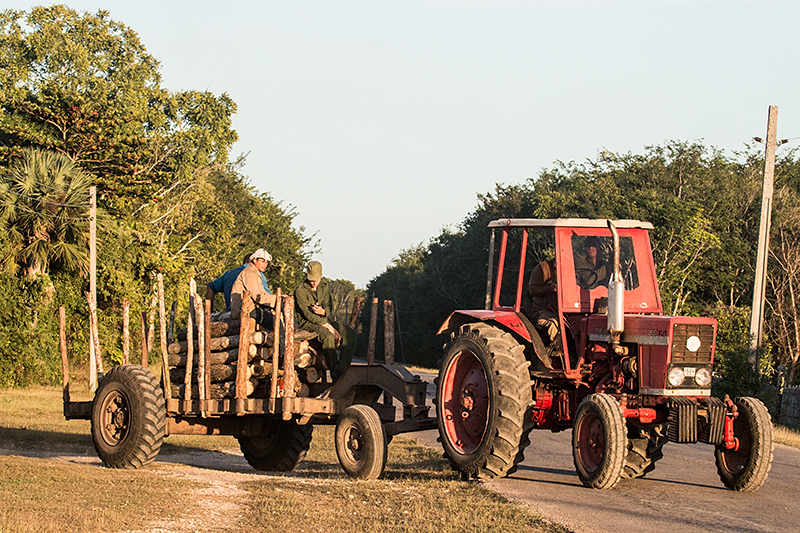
(187,382)
(162,319)
(288,356)
(245,330)
(201,346)
(126,331)
(144,340)
(388,332)
(206,396)
(373,326)
(62,337)
(171,328)
(95,334)
(358,304)
(275,352)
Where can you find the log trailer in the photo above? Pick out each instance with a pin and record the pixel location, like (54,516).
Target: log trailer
(622,376)
(266,388)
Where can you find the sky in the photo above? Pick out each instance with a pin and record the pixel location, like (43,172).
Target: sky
(380,122)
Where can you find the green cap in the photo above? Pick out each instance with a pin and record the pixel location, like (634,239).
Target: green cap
(314,271)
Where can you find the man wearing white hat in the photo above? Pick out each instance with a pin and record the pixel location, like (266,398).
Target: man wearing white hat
(249,280)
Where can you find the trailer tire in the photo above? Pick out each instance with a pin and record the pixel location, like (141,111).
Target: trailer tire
(280,446)
(128,417)
(645,448)
(599,442)
(746,469)
(361,442)
(484,390)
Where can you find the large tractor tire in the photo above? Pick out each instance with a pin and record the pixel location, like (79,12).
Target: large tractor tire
(361,442)
(599,442)
(280,446)
(483,392)
(645,445)
(746,468)
(128,417)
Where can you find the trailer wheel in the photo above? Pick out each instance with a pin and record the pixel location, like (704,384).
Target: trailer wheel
(483,391)
(644,449)
(128,417)
(746,468)
(599,443)
(280,446)
(361,442)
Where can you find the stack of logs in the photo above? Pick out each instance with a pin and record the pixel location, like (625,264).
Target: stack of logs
(224,349)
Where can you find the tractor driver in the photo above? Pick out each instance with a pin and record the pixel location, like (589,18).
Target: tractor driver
(590,270)
(542,288)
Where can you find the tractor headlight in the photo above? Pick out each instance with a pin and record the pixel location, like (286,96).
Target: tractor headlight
(702,377)
(693,343)
(676,376)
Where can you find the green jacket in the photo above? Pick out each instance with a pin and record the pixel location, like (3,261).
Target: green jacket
(305,297)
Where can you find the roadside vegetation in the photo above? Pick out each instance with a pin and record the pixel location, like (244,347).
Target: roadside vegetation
(53,482)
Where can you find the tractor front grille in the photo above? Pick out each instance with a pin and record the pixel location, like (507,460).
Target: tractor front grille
(681,332)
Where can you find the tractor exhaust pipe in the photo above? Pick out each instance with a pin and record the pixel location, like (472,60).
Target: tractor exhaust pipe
(616,296)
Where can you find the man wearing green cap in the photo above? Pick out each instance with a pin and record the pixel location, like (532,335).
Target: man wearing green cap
(313,307)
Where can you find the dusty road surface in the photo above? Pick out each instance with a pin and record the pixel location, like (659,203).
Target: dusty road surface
(683,493)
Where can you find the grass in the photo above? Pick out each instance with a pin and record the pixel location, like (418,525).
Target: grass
(42,492)
(787,436)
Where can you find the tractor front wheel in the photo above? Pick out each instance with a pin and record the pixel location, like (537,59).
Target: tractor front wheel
(599,443)
(483,391)
(746,468)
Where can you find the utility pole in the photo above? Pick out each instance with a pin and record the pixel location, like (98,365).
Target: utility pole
(759,286)
(92,278)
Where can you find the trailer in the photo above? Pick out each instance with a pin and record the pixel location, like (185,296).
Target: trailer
(264,405)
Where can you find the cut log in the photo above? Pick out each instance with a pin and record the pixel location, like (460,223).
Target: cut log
(219,391)
(215,358)
(218,329)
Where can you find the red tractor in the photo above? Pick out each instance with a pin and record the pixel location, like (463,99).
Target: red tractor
(607,364)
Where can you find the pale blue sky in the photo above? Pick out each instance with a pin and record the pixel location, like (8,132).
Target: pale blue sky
(380,122)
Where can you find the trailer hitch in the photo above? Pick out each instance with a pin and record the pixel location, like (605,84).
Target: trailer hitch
(731,412)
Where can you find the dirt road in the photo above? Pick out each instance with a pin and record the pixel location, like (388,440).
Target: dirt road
(683,493)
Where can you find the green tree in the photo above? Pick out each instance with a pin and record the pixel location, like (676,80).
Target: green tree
(44,213)
(84,85)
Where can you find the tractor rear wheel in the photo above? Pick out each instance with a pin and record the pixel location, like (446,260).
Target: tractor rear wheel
(361,442)
(599,443)
(644,449)
(746,468)
(280,446)
(483,392)
(128,417)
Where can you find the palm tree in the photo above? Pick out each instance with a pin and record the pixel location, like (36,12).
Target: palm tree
(44,213)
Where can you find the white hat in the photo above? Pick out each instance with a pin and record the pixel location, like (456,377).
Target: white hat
(260,254)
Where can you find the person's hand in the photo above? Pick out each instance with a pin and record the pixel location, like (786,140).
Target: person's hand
(318,310)
(333,331)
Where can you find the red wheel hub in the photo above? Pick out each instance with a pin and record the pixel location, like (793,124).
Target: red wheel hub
(465,394)
(591,442)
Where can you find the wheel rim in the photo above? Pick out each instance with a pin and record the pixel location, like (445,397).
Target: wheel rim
(353,444)
(591,442)
(115,418)
(735,461)
(466,402)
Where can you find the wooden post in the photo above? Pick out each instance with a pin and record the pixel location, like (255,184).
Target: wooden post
(151,320)
(144,340)
(201,346)
(62,337)
(92,280)
(246,328)
(358,304)
(388,332)
(95,334)
(162,319)
(126,331)
(171,328)
(288,356)
(373,326)
(276,350)
(759,286)
(207,358)
(187,380)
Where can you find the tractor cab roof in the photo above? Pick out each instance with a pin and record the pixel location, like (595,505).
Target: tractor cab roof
(566,222)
